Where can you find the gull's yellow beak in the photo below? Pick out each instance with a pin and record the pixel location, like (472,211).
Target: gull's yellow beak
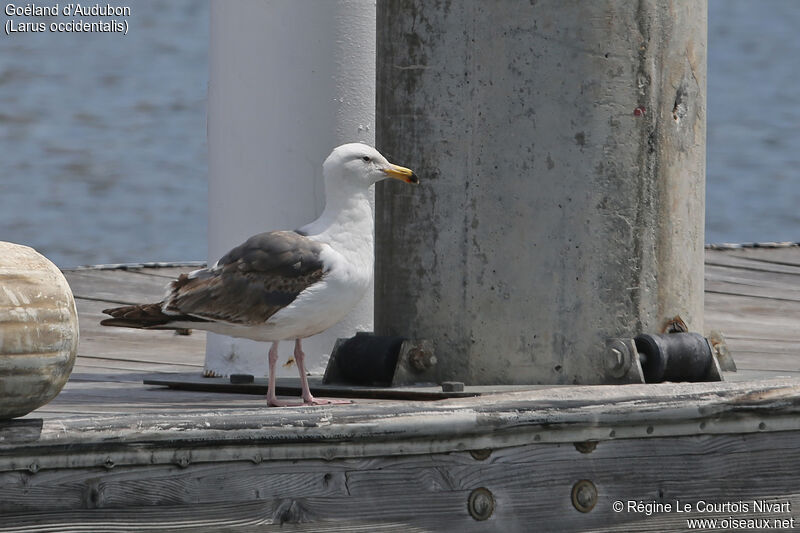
(401,173)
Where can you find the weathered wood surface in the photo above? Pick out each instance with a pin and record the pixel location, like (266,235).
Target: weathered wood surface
(753,298)
(128,353)
(531,485)
(111,454)
(763,335)
(762,332)
(213,433)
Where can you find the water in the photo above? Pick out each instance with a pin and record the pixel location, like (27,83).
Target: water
(102,136)
(753,172)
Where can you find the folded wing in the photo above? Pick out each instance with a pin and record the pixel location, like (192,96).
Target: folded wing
(247,286)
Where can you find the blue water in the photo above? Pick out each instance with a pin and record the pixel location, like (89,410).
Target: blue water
(753,172)
(102,136)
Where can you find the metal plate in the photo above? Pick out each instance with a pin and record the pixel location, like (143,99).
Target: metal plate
(291,387)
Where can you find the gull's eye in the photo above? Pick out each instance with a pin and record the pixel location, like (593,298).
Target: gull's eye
(366,159)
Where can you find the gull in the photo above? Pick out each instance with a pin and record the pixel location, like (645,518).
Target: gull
(284,285)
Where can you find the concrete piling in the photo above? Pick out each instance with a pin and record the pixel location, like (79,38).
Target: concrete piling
(561,148)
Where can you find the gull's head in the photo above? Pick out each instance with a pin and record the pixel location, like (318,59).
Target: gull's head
(362,165)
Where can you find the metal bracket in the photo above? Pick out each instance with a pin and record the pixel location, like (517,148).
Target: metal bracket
(653,358)
(416,363)
(368,359)
(721,351)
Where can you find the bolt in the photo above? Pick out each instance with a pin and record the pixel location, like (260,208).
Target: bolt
(584,495)
(452,386)
(480,504)
(617,360)
(33,468)
(420,360)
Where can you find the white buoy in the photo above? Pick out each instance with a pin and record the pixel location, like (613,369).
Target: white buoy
(38,330)
(289,81)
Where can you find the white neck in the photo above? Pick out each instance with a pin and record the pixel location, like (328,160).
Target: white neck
(346,223)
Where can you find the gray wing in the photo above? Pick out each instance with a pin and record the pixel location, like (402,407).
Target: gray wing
(251,282)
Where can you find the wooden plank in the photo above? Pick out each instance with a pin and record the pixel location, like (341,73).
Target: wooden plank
(719,258)
(765,352)
(116,286)
(430,492)
(228,517)
(775,363)
(128,344)
(761,334)
(746,374)
(731,314)
(564,413)
(766,345)
(137,344)
(183,460)
(112,397)
(754,278)
(789,256)
(755,291)
(88,359)
(734,329)
(758,326)
(21,430)
(142,369)
(758,317)
(156,347)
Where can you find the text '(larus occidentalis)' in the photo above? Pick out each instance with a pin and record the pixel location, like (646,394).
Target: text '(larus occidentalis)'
(284,285)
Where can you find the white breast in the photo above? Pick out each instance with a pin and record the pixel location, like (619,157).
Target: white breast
(326,302)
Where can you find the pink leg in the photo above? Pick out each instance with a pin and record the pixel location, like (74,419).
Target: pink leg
(299,358)
(272,400)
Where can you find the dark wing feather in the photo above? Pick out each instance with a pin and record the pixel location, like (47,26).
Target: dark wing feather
(251,282)
(146,316)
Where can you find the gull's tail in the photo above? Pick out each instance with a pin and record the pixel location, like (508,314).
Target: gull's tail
(145,316)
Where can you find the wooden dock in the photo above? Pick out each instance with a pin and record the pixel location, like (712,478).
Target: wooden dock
(112,454)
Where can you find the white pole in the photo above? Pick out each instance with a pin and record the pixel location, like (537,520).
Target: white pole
(289,81)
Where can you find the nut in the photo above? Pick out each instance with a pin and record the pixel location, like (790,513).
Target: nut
(617,358)
(452,386)
(420,360)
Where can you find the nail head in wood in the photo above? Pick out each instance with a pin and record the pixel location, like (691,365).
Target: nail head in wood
(481,455)
(584,495)
(480,504)
(587,446)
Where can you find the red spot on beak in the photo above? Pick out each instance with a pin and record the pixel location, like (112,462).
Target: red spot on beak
(639,111)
